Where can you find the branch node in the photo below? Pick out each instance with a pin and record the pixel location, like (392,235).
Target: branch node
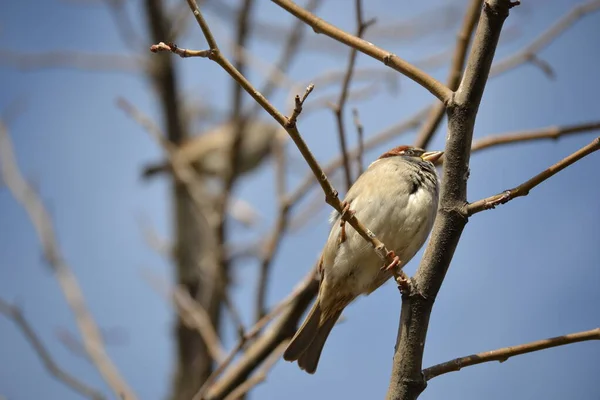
(387,60)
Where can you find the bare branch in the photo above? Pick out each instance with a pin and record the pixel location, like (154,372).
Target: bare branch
(181,52)
(530,53)
(290,50)
(361,140)
(501,355)
(40,219)
(524,188)
(291,309)
(181,169)
(458,61)
(15,314)
(338,109)
(552,132)
(261,375)
(191,313)
(387,134)
(438,89)
(72,59)
(407,381)
(274,239)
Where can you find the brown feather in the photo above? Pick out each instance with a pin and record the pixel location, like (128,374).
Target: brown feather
(309,360)
(305,335)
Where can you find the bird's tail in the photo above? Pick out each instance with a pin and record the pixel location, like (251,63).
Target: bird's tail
(152,170)
(307,344)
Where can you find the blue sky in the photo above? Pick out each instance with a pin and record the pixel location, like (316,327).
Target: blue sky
(525,271)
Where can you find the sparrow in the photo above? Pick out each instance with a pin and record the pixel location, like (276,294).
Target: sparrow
(397,199)
(209,153)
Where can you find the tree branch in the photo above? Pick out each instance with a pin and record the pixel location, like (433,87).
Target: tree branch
(289,124)
(524,188)
(552,132)
(529,53)
(26,196)
(437,88)
(458,61)
(13,313)
(274,240)
(505,353)
(338,109)
(407,381)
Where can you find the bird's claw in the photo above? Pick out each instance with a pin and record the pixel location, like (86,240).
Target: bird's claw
(344,215)
(346,211)
(403,282)
(394,263)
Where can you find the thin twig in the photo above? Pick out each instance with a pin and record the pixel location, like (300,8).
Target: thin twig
(387,134)
(361,140)
(524,188)
(290,50)
(15,314)
(200,395)
(338,109)
(254,331)
(530,53)
(235,314)
(274,240)
(501,355)
(463,40)
(181,169)
(180,51)
(552,132)
(292,310)
(437,88)
(25,195)
(260,375)
(72,59)
(191,313)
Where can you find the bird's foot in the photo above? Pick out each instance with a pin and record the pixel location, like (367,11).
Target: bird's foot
(346,211)
(403,282)
(342,238)
(345,214)
(395,261)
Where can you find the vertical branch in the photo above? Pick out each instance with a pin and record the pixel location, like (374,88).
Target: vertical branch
(361,141)
(407,381)
(239,122)
(274,240)
(194,251)
(458,61)
(338,110)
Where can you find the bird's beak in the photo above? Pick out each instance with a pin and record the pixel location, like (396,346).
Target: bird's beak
(432,156)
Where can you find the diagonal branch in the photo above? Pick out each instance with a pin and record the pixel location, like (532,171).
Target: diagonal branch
(552,132)
(260,375)
(437,88)
(530,53)
(17,317)
(25,194)
(191,312)
(331,195)
(505,353)
(524,188)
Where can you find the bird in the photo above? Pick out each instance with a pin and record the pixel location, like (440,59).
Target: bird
(209,153)
(396,197)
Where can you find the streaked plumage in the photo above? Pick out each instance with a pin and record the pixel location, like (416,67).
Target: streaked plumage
(396,198)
